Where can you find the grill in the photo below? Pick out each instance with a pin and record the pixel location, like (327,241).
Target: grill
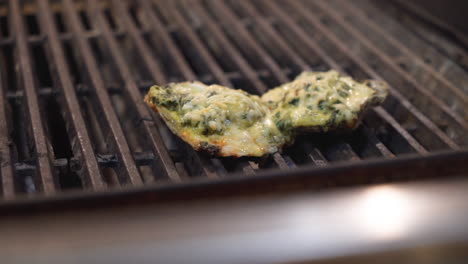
(73,74)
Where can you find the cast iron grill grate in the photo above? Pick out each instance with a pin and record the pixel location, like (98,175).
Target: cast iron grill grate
(73,75)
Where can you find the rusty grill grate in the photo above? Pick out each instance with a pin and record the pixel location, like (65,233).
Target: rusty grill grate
(73,76)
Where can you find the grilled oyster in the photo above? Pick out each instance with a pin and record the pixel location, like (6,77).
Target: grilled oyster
(217,119)
(228,122)
(322,101)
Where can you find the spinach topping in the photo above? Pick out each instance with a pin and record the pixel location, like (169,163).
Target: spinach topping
(294,101)
(212,93)
(283,124)
(346,87)
(168,102)
(343,93)
(322,105)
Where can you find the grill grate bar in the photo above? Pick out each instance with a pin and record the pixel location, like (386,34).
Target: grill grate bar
(73,164)
(63,36)
(163,163)
(370,46)
(198,45)
(410,139)
(244,34)
(43,157)
(83,89)
(66,36)
(372,73)
(303,65)
(169,44)
(458,93)
(243,65)
(83,147)
(34,39)
(117,142)
(6,169)
(268,28)
(197,164)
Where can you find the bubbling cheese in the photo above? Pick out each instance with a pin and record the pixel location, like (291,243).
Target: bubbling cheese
(229,122)
(322,101)
(223,121)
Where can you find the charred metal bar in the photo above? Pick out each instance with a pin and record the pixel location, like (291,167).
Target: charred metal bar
(244,34)
(229,48)
(73,164)
(163,163)
(410,139)
(76,129)
(46,180)
(198,45)
(113,130)
(83,89)
(38,39)
(267,27)
(6,169)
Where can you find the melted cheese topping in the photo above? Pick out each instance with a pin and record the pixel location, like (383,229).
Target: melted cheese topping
(229,122)
(217,119)
(322,101)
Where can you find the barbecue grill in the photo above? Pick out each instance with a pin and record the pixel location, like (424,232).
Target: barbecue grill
(75,132)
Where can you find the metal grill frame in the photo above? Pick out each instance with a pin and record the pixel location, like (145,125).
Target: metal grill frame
(424,163)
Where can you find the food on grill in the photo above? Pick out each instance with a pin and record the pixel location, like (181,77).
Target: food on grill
(228,122)
(217,119)
(322,102)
